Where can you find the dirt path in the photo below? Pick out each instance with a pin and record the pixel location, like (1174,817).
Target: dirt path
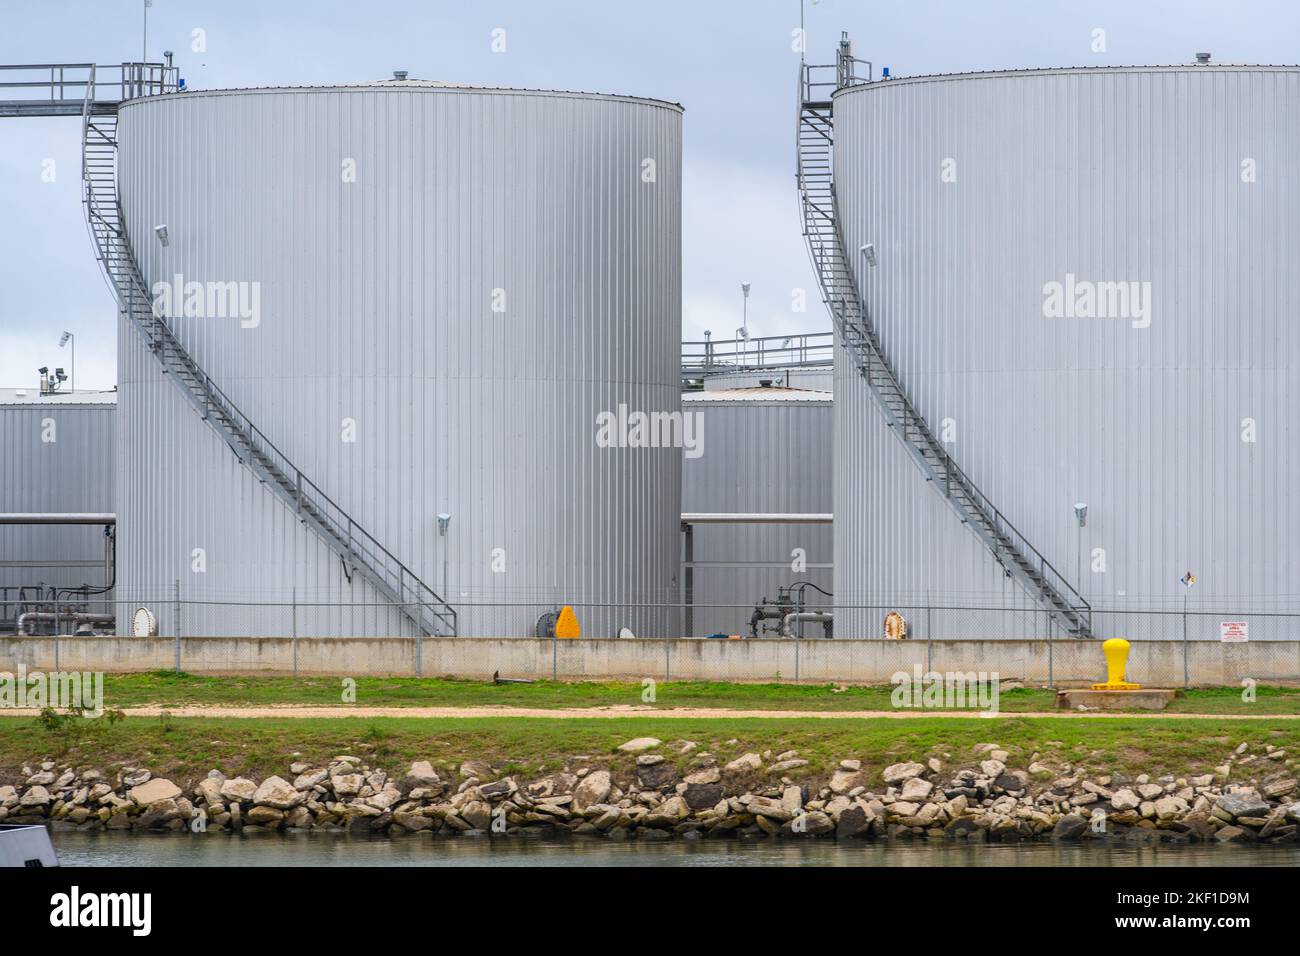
(623,711)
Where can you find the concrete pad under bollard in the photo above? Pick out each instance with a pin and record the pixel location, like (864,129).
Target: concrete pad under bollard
(1148,698)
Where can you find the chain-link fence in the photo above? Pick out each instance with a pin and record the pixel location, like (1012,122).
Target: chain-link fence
(782,643)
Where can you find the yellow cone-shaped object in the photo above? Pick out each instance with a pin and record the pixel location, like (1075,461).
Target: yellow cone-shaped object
(1116,651)
(566,625)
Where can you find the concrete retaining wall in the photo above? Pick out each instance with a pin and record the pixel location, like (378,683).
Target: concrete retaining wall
(1158,663)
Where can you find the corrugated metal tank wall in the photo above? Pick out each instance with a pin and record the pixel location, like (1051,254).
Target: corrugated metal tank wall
(376,307)
(759,455)
(976,192)
(57,457)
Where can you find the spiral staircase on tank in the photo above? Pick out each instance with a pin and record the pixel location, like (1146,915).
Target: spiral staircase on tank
(816,182)
(359,550)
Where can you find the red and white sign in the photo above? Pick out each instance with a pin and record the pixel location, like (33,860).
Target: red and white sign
(1234,632)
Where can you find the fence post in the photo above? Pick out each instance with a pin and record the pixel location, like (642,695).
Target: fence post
(668,667)
(176,650)
(419,648)
(555,663)
(928,632)
(1051,644)
(295,632)
(796,662)
(1184,642)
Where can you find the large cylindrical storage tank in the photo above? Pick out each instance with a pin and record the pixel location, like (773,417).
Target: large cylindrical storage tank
(1084,280)
(452,285)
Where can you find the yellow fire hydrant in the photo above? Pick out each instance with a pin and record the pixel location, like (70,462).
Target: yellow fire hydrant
(1116,651)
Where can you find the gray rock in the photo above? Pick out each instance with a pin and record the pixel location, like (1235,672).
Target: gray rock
(497,789)
(900,772)
(478,769)
(477,814)
(842,781)
(1013,780)
(278,793)
(1245,803)
(238,789)
(159,814)
(1276,789)
(1125,800)
(36,796)
(700,796)
(154,790)
(657,776)
(344,784)
(412,821)
(853,822)
(744,763)
(265,817)
(792,797)
(1231,834)
(812,823)
(639,744)
(309,779)
(1072,826)
(209,791)
(668,813)
(592,789)
(422,774)
(915,789)
(772,809)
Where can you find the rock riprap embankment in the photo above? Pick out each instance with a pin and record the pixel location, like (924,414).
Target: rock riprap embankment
(679,790)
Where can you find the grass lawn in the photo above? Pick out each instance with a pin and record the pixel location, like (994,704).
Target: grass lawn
(184,749)
(170,689)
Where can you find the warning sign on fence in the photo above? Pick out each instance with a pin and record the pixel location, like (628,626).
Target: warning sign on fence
(1234,632)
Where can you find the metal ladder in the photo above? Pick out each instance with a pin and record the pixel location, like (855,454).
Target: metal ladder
(815,176)
(359,550)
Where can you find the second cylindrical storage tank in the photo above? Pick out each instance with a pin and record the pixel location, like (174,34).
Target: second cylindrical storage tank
(427,297)
(1083,279)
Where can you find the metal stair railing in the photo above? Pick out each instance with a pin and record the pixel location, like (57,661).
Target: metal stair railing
(60,89)
(815,177)
(758,354)
(358,549)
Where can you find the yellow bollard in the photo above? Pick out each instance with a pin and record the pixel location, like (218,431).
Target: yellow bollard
(1116,651)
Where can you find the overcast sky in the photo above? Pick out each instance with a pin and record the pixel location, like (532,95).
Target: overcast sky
(728,62)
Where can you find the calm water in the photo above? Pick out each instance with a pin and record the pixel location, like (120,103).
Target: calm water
(109,849)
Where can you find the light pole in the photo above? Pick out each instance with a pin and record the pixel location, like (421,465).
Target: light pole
(67,338)
(742,333)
